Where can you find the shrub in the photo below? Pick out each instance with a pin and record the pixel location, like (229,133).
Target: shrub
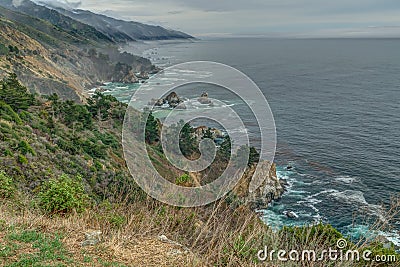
(7,113)
(15,94)
(25,148)
(22,159)
(8,153)
(3,50)
(63,195)
(7,187)
(117,220)
(183,179)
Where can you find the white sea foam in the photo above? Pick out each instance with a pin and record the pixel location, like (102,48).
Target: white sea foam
(350,196)
(346,179)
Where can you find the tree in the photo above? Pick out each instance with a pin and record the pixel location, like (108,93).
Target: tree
(100,104)
(208,134)
(254,156)
(152,132)
(225,148)
(74,114)
(187,141)
(15,94)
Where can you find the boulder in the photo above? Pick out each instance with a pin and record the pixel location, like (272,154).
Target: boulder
(204,100)
(173,100)
(271,187)
(92,238)
(291,214)
(130,78)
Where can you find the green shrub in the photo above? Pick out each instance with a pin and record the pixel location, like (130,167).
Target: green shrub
(183,179)
(25,148)
(7,187)
(7,113)
(8,153)
(22,159)
(3,50)
(117,220)
(63,195)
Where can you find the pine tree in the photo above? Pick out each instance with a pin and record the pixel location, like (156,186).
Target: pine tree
(15,94)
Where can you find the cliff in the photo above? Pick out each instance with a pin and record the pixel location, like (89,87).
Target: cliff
(271,187)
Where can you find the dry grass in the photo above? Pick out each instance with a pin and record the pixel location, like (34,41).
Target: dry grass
(209,236)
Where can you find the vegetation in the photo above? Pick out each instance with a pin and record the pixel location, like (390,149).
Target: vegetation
(183,179)
(7,186)
(63,173)
(3,50)
(63,195)
(14,94)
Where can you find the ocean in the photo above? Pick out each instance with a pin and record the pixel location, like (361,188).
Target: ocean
(336,104)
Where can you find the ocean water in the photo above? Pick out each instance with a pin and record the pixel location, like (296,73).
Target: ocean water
(336,104)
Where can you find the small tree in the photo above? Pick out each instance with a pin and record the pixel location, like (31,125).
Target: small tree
(100,104)
(208,134)
(63,195)
(187,141)
(7,187)
(15,94)
(151,133)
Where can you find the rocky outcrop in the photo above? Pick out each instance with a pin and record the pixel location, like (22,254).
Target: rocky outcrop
(204,100)
(172,101)
(271,187)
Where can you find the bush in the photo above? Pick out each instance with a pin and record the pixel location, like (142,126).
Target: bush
(7,187)
(63,195)
(22,159)
(3,50)
(25,148)
(183,179)
(7,113)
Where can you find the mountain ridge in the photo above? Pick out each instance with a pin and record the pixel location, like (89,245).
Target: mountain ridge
(49,59)
(84,22)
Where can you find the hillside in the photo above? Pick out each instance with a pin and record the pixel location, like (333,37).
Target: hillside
(48,59)
(50,27)
(92,26)
(67,198)
(135,30)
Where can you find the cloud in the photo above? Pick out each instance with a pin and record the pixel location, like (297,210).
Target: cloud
(60,3)
(254,16)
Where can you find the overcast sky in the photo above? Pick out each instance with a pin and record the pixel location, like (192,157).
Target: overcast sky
(259,17)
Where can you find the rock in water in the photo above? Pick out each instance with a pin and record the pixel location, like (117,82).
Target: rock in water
(204,99)
(291,214)
(173,100)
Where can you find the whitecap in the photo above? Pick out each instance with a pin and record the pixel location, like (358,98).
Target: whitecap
(346,179)
(350,196)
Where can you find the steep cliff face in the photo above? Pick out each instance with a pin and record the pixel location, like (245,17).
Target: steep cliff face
(271,187)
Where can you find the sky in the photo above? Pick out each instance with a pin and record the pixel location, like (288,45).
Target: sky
(271,18)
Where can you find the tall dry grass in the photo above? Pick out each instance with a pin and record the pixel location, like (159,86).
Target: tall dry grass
(216,234)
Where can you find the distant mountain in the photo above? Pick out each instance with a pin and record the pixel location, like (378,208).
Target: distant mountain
(111,26)
(56,59)
(77,32)
(92,25)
